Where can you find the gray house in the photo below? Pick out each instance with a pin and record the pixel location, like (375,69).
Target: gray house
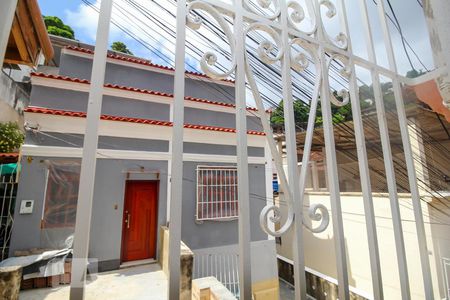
(131,185)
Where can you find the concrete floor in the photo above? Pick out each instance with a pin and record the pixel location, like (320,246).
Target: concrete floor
(146,282)
(286,291)
(134,283)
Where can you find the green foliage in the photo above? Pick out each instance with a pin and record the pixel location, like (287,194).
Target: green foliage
(11,137)
(121,47)
(340,114)
(57,27)
(414,73)
(301,113)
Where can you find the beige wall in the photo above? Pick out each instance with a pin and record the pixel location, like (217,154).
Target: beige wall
(320,255)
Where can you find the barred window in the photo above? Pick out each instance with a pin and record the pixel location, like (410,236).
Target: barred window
(217,194)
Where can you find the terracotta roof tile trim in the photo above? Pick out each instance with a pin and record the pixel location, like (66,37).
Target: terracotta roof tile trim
(58,112)
(138,90)
(140,61)
(9,155)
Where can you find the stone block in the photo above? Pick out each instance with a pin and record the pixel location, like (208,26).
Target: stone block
(10,279)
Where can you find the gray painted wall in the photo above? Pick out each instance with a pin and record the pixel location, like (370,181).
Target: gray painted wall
(118,143)
(218,233)
(79,67)
(54,98)
(106,228)
(104,142)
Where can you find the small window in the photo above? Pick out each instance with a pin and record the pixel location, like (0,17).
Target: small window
(61,195)
(217,193)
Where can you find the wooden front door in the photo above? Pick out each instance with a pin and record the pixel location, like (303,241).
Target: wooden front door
(140,220)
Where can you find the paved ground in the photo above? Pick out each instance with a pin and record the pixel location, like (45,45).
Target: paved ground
(136,283)
(286,291)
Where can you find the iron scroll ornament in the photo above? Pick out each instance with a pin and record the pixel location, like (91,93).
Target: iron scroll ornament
(316,212)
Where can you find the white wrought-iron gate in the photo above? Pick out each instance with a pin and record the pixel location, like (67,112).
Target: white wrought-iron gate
(288,43)
(280,22)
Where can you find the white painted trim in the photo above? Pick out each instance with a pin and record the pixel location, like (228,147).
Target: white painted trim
(327,278)
(135,263)
(72,152)
(135,65)
(76,125)
(114,92)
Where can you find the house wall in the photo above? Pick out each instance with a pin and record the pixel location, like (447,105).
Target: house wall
(111,172)
(106,227)
(13,97)
(219,233)
(55,98)
(320,251)
(80,67)
(108,204)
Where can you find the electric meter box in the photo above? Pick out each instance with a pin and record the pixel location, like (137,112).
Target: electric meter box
(26,207)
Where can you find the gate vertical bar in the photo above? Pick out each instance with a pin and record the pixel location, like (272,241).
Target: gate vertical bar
(6,19)
(245,276)
(331,168)
(412,178)
(364,173)
(292,160)
(333,182)
(176,182)
(89,158)
(388,159)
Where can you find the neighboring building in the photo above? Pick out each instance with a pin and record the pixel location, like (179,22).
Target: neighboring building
(131,197)
(430,140)
(28,46)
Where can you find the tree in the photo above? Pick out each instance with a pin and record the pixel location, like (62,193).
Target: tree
(57,27)
(301,113)
(340,114)
(121,47)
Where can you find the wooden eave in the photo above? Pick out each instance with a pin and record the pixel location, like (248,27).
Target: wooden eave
(28,37)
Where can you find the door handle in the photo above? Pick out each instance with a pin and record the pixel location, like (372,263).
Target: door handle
(128,221)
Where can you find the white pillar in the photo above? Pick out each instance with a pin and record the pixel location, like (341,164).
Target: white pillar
(176,172)
(8,8)
(88,162)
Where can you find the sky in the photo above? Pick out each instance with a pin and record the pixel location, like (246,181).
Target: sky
(83,20)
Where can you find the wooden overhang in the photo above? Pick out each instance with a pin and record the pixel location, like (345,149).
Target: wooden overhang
(28,37)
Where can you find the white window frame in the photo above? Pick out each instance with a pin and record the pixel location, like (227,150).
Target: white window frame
(230,197)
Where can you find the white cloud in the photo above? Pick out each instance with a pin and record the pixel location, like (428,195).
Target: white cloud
(84,21)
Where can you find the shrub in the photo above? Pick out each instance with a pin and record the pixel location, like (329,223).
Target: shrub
(11,137)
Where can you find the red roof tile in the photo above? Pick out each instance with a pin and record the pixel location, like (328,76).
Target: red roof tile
(9,155)
(140,61)
(138,90)
(58,112)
